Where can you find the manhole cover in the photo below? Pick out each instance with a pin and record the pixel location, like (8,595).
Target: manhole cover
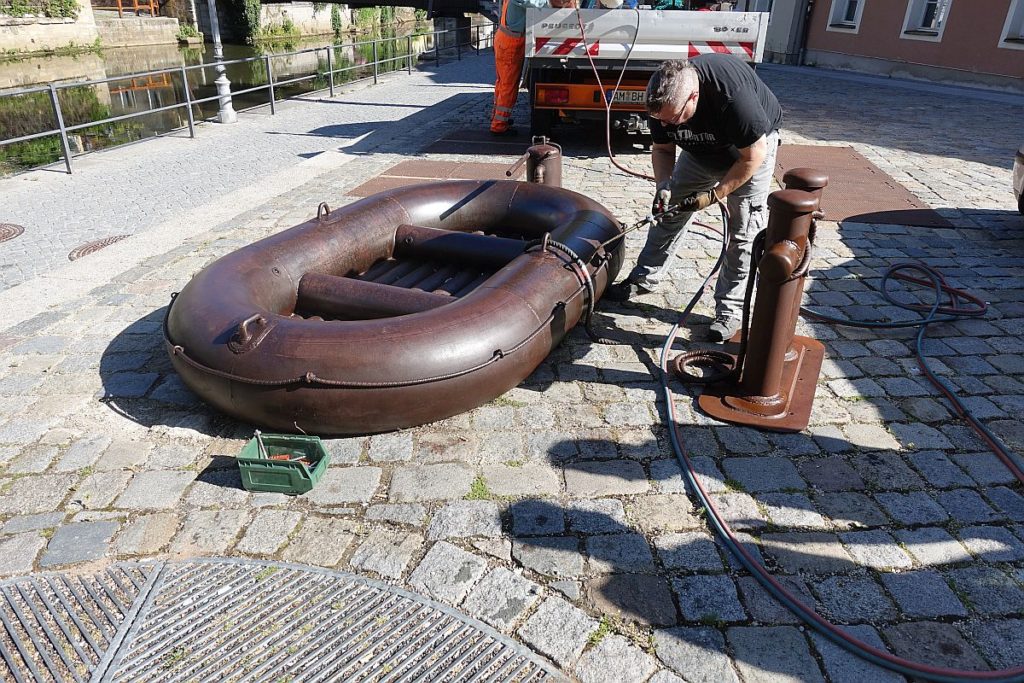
(8,231)
(95,245)
(219,619)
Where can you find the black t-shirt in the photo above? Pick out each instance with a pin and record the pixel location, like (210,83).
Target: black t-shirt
(734,109)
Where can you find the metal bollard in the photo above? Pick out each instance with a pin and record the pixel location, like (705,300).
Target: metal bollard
(779,375)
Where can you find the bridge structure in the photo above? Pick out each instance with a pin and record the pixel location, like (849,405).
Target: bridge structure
(434,8)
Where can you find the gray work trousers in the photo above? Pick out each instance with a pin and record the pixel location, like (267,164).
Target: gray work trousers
(748,215)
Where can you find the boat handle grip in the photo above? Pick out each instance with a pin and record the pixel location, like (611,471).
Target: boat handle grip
(244,335)
(322,211)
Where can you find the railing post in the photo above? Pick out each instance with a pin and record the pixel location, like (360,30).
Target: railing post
(477,27)
(458,42)
(225,109)
(375,66)
(188,103)
(60,125)
(270,83)
(437,49)
(120,10)
(330,68)
(408,41)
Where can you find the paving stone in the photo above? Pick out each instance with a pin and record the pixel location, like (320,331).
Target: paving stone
(987,590)
(920,436)
(447,573)
(500,548)
(347,451)
(465,518)
(597,516)
(18,553)
(992,544)
(33,459)
(619,553)
(662,512)
(386,552)
(925,409)
(642,598)
(209,532)
(1009,502)
(36,493)
(82,453)
(98,490)
(938,644)
(146,534)
(524,480)
(984,468)
(932,546)
(792,510)
(939,470)
(830,474)
(870,437)
(886,471)
(844,667)
(708,597)
(558,631)
(693,550)
(128,384)
(20,431)
(173,456)
(23,523)
(430,482)
(217,488)
(764,608)
(319,541)
(412,514)
(912,508)
(1000,641)
(875,549)
(121,454)
(665,676)
(850,510)
(595,479)
(739,510)
(537,518)
(791,445)
(557,556)
(771,654)
(78,543)
(966,506)
(741,440)
(763,474)
(501,598)
(923,594)
(268,531)
(697,654)
(812,552)
(342,485)
(392,447)
(614,660)
(154,490)
(851,599)
(830,438)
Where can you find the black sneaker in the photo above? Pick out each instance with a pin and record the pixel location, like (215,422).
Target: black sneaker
(722,329)
(624,291)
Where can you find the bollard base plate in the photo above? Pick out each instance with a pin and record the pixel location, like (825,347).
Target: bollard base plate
(792,411)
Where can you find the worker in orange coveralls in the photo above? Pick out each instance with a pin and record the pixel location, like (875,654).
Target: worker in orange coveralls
(509,51)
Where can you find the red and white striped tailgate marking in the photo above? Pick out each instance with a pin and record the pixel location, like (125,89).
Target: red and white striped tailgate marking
(547,48)
(738,49)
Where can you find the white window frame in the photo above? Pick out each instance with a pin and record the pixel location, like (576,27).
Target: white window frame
(912,28)
(1012,36)
(837,16)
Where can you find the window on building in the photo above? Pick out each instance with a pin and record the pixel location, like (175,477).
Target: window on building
(845,15)
(1013,29)
(926,18)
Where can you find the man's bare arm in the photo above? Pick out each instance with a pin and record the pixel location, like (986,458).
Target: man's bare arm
(743,169)
(663,159)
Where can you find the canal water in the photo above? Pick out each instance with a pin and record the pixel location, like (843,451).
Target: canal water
(125,93)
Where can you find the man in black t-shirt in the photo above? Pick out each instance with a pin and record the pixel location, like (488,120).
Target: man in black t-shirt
(725,121)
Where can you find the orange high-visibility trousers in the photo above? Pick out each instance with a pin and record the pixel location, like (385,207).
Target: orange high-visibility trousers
(508,62)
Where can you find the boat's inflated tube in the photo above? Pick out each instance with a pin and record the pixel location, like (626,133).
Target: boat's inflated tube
(292,332)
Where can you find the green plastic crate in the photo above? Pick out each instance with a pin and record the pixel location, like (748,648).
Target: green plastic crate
(283,476)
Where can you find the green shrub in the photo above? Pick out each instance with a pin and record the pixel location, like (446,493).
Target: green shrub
(336,24)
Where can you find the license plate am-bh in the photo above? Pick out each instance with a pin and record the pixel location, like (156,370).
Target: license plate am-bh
(628,97)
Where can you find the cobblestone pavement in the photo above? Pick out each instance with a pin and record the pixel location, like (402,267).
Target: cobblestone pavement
(557,513)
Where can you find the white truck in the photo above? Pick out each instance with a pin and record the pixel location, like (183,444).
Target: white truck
(560,77)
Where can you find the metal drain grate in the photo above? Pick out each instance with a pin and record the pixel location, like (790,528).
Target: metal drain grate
(94,246)
(8,231)
(58,627)
(233,620)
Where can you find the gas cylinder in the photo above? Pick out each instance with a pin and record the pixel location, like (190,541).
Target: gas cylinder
(544,162)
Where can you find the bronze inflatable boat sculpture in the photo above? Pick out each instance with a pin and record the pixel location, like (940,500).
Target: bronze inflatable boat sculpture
(403,308)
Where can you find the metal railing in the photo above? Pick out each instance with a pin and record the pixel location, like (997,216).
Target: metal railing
(476,42)
(122,6)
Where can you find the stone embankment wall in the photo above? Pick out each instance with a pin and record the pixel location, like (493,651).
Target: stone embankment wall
(29,34)
(132,31)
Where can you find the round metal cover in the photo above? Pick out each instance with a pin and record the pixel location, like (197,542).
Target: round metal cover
(8,231)
(234,620)
(95,245)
